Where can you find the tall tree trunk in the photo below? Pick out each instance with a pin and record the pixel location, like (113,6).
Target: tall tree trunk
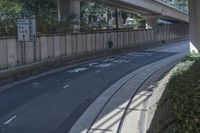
(108,18)
(116,18)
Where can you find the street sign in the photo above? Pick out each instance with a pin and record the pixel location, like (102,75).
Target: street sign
(26,29)
(23,26)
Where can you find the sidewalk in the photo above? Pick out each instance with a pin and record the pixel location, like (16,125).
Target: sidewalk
(123,107)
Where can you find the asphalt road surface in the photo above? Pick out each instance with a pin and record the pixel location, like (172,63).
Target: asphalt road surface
(53,103)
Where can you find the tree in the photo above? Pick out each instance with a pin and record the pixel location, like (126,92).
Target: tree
(9,10)
(45,11)
(116,18)
(93,15)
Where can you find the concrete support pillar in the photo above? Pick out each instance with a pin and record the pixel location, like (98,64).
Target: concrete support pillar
(194,16)
(69,9)
(151,21)
(120,20)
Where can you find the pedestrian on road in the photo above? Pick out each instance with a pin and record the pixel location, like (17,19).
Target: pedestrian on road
(110,43)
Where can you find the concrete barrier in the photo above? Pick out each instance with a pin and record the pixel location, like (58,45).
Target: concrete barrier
(105,40)
(57,50)
(89,43)
(3,54)
(63,45)
(74,44)
(93,42)
(68,45)
(84,43)
(44,48)
(79,44)
(97,42)
(29,52)
(11,52)
(48,47)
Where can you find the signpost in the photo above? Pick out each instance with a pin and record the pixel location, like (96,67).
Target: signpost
(26,32)
(23,28)
(26,29)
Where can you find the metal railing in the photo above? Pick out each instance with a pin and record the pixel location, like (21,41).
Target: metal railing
(181,5)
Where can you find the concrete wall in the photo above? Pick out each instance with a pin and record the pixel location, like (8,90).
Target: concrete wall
(47,47)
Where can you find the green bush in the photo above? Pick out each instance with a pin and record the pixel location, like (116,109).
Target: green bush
(185,95)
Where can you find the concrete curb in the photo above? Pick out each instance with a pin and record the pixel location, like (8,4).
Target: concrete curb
(156,96)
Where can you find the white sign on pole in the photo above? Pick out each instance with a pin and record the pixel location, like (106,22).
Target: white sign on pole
(26,29)
(23,29)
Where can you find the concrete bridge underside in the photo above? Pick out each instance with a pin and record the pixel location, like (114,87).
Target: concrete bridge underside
(154,7)
(151,10)
(148,8)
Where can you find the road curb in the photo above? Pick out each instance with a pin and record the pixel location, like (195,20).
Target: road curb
(156,96)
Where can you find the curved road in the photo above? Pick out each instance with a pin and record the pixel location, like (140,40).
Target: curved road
(53,103)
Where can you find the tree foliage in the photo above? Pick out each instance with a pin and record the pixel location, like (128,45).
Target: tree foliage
(8,13)
(44,10)
(95,15)
(92,15)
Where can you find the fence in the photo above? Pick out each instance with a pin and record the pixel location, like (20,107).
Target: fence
(47,47)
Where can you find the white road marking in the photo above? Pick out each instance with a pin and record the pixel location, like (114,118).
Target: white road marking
(64,87)
(104,65)
(78,70)
(140,54)
(98,71)
(11,119)
(92,64)
(120,61)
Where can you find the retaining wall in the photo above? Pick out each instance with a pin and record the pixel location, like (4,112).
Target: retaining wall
(47,47)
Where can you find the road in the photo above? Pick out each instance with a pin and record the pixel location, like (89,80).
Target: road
(53,103)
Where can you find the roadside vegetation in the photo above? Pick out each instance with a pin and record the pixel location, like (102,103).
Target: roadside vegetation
(45,12)
(95,15)
(185,95)
(178,111)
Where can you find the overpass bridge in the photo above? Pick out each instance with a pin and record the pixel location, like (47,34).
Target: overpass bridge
(151,10)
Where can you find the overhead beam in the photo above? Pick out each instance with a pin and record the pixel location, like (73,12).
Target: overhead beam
(153,7)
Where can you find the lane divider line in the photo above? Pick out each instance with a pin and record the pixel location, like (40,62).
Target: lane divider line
(66,86)
(10,120)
